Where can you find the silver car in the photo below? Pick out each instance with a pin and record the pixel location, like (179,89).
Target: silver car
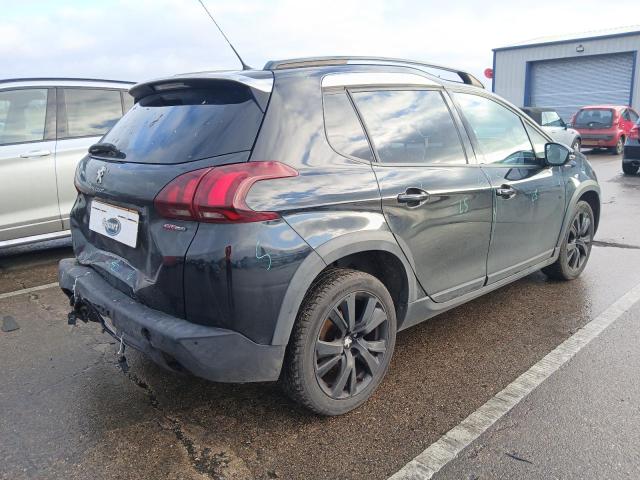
(46,126)
(555,126)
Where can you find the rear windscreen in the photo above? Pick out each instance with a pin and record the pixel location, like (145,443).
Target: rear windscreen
(187,125)
(594,118)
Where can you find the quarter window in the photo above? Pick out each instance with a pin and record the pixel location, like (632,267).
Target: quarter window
(90,112)
(22,115)
(551,119)
(127,101)
(413,126)
(499,132)
(344,130)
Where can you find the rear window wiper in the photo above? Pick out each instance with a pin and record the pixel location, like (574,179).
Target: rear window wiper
(106,149)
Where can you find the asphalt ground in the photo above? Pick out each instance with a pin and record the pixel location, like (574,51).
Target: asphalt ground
(68,411)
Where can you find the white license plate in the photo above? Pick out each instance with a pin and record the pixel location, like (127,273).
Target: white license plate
(118,223)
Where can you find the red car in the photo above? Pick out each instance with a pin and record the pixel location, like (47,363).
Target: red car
(604,126)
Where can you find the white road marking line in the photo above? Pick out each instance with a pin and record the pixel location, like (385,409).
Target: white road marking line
(28,290)
(436,456)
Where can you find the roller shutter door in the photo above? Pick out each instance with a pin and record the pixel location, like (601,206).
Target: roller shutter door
(571,83)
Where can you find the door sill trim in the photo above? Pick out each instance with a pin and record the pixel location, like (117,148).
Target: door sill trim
(425,308)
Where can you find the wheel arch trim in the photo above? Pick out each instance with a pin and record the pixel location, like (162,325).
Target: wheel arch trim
(585,187)
(325,255)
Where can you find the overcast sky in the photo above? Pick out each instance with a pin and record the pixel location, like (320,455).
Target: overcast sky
(140,39)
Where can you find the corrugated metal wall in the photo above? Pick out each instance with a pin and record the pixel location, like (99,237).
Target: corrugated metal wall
(571,83)
(511,64)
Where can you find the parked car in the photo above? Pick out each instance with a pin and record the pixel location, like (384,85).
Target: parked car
(604,126)
(46,126)
(631,157)
(286,223)
(554,125)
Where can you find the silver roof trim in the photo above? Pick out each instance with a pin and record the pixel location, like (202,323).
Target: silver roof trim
(352,79)
(465,77)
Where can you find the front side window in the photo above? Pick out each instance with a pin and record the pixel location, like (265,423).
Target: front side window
(22,115)
(344,130)
(633,115)
(90,112)
(537,140)
(412,126)
(551,119)
(499,132)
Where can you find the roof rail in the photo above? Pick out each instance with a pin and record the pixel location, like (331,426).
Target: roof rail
(62,79)
(308,62)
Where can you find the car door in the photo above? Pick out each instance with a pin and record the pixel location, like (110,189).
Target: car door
(28,194)
(84,116)
(528,199)
(436,203)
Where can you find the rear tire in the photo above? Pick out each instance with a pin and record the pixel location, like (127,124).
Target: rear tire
(619,148)
(629,169)
(341,343)
(576,246)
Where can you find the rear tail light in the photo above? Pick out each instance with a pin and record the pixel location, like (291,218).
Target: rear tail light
(218,194)
(634,133)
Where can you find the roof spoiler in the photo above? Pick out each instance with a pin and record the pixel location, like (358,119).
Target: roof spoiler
(465,77)
(260,82)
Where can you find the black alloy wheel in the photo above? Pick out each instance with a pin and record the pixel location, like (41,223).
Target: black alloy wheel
(351,345)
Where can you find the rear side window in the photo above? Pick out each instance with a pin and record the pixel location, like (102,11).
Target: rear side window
(22,115)
(594,118)
(412,126)
(127,101)
(187,125)
(499,132)
(90,112)
(344,130)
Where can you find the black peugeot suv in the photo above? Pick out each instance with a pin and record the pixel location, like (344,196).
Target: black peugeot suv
(285,223)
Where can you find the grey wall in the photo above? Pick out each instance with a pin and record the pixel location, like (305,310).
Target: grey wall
(510,65)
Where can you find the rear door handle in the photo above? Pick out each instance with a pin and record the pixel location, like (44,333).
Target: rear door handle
(506,191)
(413,197)
(35,153)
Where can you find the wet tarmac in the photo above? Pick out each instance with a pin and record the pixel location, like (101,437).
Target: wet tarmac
(68,411)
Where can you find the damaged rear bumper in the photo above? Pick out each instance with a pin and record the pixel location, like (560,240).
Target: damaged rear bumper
(216,354)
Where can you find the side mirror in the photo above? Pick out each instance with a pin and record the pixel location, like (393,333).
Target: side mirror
(557,154)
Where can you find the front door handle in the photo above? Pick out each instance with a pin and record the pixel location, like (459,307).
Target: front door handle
(506,191)
(413,197)
(35,153)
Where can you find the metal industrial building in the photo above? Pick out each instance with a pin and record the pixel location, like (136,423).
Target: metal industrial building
(569,72)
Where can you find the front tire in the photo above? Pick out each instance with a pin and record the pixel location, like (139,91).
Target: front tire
(577,145)
(341,343)
(576,247)
(629,169)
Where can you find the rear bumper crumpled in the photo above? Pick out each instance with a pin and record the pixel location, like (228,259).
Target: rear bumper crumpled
(215,354)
